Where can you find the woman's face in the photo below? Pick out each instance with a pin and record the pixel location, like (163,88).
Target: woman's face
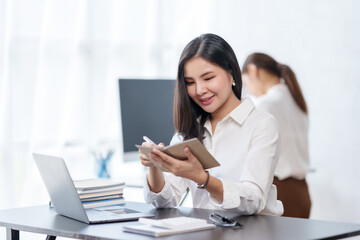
(209,86)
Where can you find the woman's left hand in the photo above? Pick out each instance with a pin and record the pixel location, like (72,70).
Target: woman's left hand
(190,168)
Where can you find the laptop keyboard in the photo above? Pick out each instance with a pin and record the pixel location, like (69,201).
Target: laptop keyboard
(94,215)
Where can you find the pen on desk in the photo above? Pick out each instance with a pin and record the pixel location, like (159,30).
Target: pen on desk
(148,140)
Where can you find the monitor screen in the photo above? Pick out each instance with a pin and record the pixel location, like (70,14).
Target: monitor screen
(146,107)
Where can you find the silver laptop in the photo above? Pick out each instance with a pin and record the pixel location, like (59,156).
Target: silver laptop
(66,201)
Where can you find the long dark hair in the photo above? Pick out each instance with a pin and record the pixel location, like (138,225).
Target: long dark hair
(261,60)
(189,118)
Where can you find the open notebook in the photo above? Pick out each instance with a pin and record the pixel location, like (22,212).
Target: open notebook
(168,226)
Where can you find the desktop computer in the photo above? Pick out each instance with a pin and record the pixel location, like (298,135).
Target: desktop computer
(146,108)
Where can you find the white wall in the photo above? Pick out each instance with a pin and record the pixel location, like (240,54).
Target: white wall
(321,41)
(108,39)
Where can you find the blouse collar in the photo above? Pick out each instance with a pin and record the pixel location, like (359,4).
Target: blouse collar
(239,114)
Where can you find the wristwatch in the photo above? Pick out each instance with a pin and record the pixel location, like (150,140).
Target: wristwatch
(203,186)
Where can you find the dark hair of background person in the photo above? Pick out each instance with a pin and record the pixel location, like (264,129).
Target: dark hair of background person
(261,60)
(216,50)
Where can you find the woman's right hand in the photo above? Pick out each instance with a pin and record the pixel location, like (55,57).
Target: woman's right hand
(144,160)
(155,177)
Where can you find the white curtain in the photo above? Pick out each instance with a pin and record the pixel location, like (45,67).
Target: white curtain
(43,74)
(59,65)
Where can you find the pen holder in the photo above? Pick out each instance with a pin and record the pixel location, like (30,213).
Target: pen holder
(102,163)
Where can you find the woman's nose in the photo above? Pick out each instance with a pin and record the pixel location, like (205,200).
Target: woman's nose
(200,88)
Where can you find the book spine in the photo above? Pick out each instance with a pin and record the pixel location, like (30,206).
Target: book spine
(122,185)
(90,199)
(105,200)
(99,194)
(103,203)
(100,190)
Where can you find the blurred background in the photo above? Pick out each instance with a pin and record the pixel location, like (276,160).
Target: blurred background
(60,61)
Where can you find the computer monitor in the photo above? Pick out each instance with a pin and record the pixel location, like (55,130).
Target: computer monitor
(146,108)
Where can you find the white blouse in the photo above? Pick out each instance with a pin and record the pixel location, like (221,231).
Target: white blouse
(294,124)
(246,143)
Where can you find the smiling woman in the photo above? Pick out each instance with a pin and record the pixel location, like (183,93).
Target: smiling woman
(208,105)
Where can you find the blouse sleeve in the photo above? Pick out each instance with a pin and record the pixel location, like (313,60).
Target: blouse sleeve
(173,189)
(255,192)
(171,193)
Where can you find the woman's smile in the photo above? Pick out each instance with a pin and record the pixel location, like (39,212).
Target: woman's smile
(207,101)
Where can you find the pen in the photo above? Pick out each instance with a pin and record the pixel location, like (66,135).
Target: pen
(148,140)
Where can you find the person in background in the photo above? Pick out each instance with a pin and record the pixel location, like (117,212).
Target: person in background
(245,141)
(276,90)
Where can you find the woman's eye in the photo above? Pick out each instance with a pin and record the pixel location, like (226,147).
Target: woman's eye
(189,83)
(209,78)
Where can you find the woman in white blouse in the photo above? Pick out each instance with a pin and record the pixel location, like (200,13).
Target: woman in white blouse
(276,90)
(245,141)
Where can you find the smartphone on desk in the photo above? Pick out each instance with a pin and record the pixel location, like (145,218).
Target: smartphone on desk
(177,151)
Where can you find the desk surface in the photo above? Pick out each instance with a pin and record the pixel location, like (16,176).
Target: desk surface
(41,219)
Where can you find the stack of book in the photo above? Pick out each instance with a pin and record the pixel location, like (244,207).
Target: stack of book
(100,192)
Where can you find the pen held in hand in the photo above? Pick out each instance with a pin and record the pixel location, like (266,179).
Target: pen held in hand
(148,140)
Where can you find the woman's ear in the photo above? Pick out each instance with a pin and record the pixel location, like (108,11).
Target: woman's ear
(231,77)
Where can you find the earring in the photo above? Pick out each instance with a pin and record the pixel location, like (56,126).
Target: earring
(233,83)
